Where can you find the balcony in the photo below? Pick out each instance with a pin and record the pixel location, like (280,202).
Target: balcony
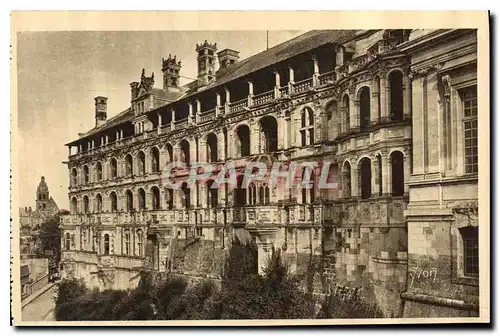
(303,85)
(327,78)
(207,115)
(238,106)
(263,98)
(381,211)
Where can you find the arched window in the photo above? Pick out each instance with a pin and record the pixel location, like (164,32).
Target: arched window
(364,108)
(86,208)
(170,153)
(186,193)
(185,155)
(365,171)
(243,142)
(155,194)
(74,177)
(114,168)
(98,203)
(212,147)
(261,195)
(140,243)
(99,171)
(141,163)
(307,186)
(252,193)
(155,160)
(398,179)
(240,193)
(129,165)
(126,242)
(86,174)
(84,239)
(130,201)
(169,198)
(67,241)
(396,95)
(106,244)
(266,194)
(307,127)
(114,201)
(346,113)
(74,205)
(142,199)
(346,180)
(212,194)
(269,134)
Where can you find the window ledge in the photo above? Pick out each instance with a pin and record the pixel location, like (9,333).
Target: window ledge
(466,281)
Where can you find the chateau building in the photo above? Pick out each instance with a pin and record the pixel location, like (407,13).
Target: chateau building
(393,111)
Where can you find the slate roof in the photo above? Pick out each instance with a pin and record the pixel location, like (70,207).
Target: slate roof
(281,52)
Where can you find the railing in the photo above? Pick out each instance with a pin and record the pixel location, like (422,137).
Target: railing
(207,115)
(181,123)
(284,90)
(328,77)
(303,85)
(33,287)
(239,215)
(238,105)
(263,98)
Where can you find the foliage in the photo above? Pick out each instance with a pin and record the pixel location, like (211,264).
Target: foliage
(335,306)
(49,235)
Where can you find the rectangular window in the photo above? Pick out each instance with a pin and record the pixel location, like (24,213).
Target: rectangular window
(469,104)
(471,251)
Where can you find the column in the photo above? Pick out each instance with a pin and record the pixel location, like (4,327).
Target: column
(203,149)
(374,178)
(250,94)
(217,105)
(254,137)
(228,101)
(220,146)
(172,122)
(316,71)
(354,180)
(191,113)
(291,81)
(374,108)
(384,94)
(385,174)
(277,84)
(281,132)
(339,56)
(407,169)
(353,112)
(159,123)
(407,98)
(285,134)
(198,110)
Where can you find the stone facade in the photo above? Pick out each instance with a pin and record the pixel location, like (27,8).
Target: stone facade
(341,97)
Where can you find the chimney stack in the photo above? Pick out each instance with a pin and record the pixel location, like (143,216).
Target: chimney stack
(101,110)
(227,57)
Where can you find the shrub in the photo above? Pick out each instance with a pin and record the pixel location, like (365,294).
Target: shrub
(334,306)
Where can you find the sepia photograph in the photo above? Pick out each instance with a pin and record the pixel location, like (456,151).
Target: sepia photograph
(210,175)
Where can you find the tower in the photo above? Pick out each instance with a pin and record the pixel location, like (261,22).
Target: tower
(101,111)
(170,68)
(206,62)
(42,195)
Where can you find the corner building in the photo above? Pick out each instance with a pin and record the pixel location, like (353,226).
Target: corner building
(346,97)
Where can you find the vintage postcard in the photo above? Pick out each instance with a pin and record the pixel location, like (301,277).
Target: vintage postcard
(250,168)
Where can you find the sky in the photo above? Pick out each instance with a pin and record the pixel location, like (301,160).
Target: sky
(60,73)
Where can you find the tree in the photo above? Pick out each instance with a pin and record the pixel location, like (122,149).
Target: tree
(49,236)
